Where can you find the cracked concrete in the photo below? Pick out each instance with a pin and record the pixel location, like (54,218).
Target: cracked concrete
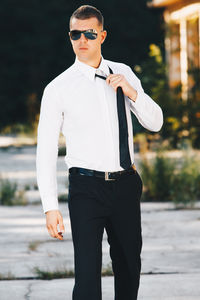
(28,293)
(152,287)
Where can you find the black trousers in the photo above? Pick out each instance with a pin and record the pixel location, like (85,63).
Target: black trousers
(95,204)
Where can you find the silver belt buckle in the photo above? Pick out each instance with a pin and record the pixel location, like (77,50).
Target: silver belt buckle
(107,176)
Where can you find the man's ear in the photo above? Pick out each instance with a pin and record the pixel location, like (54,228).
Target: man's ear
(104,36)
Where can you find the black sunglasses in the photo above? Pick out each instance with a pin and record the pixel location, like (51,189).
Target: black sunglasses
(90,34)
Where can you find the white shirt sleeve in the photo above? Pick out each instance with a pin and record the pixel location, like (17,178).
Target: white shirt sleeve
(48,131)
(147,111)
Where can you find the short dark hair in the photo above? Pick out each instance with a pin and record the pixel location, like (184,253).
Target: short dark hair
(85,12)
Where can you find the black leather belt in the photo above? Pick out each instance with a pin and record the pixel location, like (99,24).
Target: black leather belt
(100,174)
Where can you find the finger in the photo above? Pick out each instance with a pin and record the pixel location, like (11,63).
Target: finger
(57,234)
(61,225)
(115,85)
(116,76)
(110,77)
(54,231)
(49,229)
(50,232)
(60,236)
(115,81)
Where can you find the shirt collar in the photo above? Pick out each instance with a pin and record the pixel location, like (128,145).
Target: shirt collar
(90,71)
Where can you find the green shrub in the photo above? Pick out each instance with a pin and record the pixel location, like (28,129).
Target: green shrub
(176,180)
(9,195)
(62,151)
(35,186)
(27,187)
(7,191)
(157,177)
(185,189)
(62,197)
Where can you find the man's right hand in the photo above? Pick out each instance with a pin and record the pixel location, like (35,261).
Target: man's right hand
(54,218)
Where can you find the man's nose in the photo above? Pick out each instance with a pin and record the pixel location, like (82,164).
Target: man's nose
(83,38)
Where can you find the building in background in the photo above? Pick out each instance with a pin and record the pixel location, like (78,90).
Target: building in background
(182,42)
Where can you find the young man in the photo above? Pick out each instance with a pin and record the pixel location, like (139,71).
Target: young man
(91,102)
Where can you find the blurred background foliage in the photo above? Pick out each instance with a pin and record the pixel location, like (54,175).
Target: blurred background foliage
(174,179)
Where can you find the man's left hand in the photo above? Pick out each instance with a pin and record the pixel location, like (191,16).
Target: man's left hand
(116,80)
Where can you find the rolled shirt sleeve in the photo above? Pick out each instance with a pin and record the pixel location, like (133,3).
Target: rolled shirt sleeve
(147,111)
(48,131)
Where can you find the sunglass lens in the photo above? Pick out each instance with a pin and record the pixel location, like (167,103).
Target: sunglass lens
(90,35)
(75,35)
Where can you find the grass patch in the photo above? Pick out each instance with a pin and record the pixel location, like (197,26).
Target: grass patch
(64,273)
(48,275)
(34,245)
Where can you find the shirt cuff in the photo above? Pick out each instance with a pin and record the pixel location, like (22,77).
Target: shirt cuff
(138,104)
(49,203)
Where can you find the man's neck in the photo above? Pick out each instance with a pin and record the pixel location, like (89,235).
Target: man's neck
(92,63)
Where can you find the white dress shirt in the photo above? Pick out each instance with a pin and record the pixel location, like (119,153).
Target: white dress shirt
(84,108)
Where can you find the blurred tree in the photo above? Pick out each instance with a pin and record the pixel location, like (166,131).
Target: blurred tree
(181,118)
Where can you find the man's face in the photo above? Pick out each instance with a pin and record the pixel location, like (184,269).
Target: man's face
(85,49)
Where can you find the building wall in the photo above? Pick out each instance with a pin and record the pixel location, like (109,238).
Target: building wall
(182,18)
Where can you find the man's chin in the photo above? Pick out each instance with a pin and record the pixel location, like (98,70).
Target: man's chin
(86,57)
(83,56)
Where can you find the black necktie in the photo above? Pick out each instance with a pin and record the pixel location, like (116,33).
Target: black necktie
(125,160)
